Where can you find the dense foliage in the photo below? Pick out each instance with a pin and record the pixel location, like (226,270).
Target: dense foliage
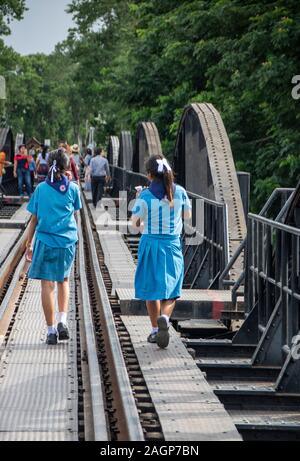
(131,60)
(10,9)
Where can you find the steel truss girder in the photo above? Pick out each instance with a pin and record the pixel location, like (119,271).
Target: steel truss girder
(204,165)
(147,144)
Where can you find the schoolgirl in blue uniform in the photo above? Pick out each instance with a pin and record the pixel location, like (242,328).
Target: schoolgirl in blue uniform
(158,212)
(53,206)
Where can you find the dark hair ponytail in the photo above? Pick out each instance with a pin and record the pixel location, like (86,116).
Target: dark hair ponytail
(44,152)
(169,186)
(62,163)
(167,176)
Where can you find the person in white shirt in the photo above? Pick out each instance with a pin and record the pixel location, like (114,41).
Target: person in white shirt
(42,167)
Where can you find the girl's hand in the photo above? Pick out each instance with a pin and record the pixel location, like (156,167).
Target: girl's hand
(29,254)
(142,227)
(69,175)
(138,189)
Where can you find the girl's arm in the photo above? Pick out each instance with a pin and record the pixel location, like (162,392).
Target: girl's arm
(136,222)
(187,214)
(139,213)
(31,231)
(15,168)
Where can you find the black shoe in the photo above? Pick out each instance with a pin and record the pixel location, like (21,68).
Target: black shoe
(152,338)
(51,339)
(63,332)
(163,336)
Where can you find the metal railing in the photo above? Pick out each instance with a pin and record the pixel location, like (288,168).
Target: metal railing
(273,290)
(273,270)
(124,180)
(277,203)
(208,254)
(275,208)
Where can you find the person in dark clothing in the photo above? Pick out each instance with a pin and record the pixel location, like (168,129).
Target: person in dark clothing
(100,174)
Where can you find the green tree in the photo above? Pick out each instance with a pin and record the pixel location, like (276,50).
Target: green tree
(10,9)
(131,60)
(156,57)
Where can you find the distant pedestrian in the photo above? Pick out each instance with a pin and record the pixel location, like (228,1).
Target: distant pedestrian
(88,157)
(100,174)
(42,167)
(76,155)
(87,170)
(21,170)
(158,213)
(52,206)
(3,163)
(73,170)
(32,169)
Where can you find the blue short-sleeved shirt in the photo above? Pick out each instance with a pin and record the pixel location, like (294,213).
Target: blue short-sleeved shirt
(56,226)
(158,217)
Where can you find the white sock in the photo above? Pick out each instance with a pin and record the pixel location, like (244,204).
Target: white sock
(154,330)
(167,319)
(52,330)
(62,317)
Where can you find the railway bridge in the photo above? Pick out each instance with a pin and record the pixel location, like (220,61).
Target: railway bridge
(231,371)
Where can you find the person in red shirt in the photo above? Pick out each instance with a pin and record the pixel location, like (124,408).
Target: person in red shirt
(22,171)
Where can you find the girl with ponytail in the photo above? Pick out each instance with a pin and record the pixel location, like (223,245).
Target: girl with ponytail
(42,167)
(53,207)
(158,213)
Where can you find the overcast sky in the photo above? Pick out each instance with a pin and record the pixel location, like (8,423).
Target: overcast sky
(44,25)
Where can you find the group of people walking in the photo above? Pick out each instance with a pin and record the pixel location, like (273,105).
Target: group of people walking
(158,213)
(29,167)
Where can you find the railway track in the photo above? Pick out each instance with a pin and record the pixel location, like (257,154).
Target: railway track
(138,414)
(113,400)
(247,392)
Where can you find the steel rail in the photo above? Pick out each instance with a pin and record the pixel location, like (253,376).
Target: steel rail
(97,394)
(12,286)
(131,423)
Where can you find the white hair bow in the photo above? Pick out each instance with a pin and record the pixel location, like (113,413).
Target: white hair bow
(161,164)
(53,170)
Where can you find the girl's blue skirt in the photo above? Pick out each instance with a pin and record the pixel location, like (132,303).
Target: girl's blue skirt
(53,264)
(160,271)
